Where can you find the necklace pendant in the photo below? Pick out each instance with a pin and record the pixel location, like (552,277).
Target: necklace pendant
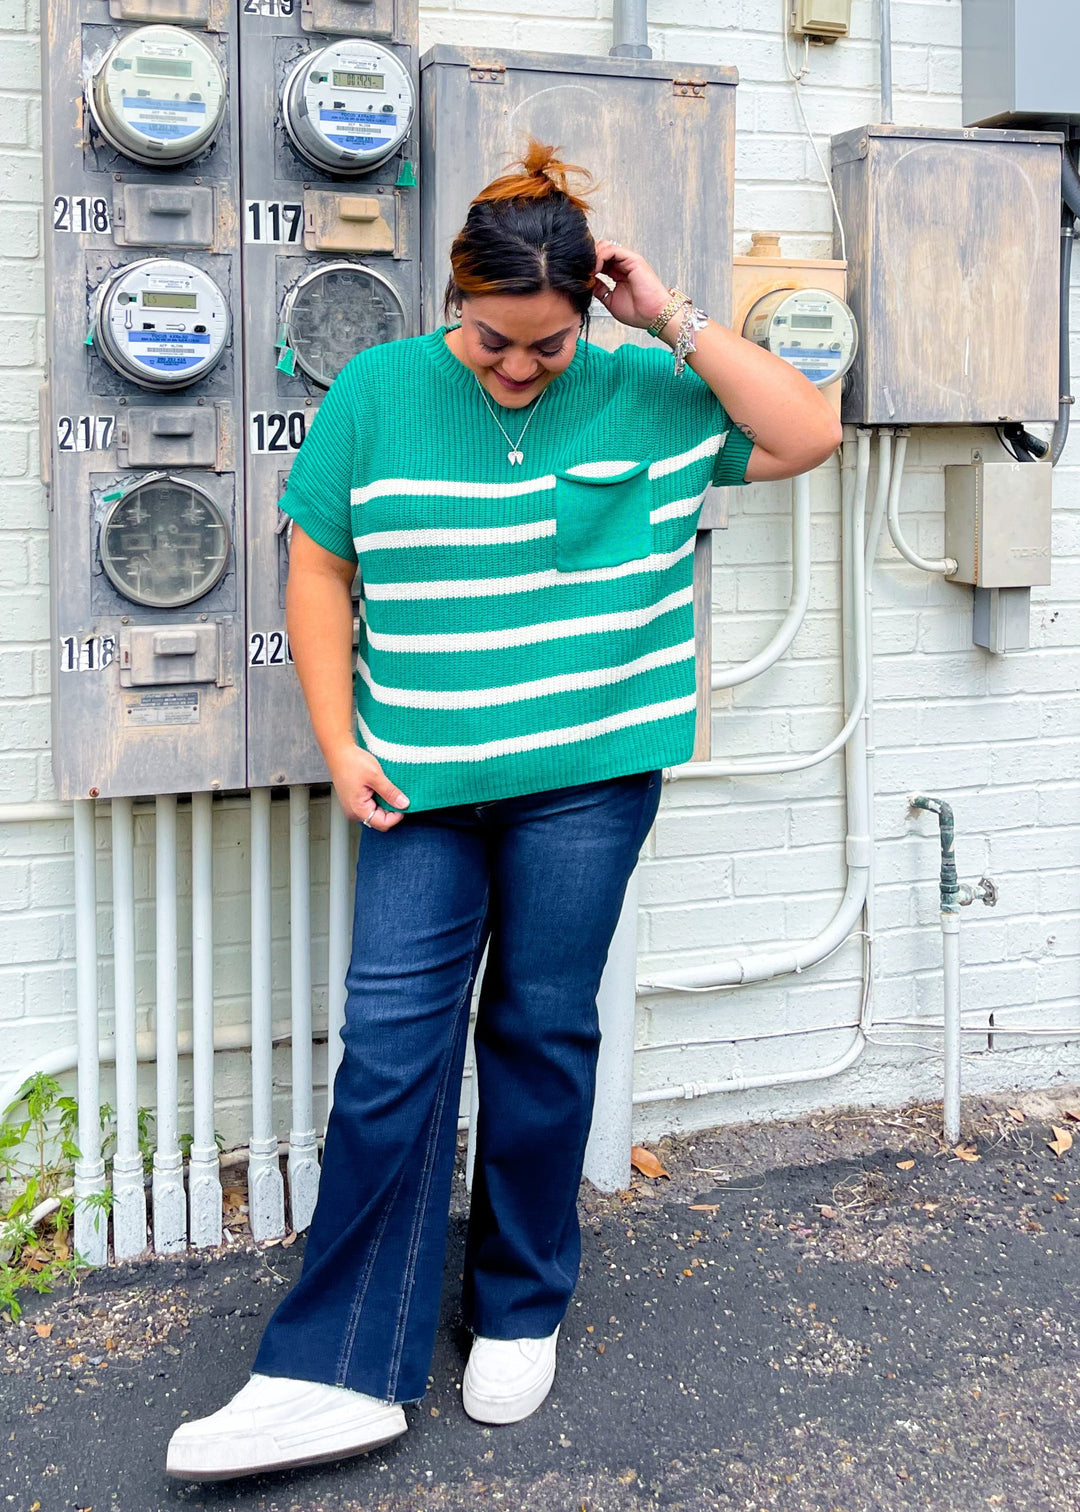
(514,457)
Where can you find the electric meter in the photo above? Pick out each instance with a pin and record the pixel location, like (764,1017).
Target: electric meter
(164,542)
(349,106)
(161,322)
(336,311)
(159,95)
(810,328)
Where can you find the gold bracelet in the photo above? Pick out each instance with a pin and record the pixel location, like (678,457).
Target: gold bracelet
(676,302)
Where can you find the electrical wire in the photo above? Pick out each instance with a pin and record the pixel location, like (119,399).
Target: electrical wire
(796,76)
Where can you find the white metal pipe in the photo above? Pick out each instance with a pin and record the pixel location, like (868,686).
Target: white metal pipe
(607,1154)
(797,956)
(204,1180)
(727,677)
(339,934)
(170,1199)
(37,813)
(470,1121)
(91,1219)
(950,945)
(303,1153)
(129,1196)
(227,1037)
(945,564)
(869,548)
(266,1187)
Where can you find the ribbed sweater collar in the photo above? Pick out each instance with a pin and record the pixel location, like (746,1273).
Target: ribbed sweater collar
(434,344)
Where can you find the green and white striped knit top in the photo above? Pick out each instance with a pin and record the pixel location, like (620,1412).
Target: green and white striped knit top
(521,627)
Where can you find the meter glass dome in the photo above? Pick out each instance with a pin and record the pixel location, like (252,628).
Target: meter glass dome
(161,322)
(337,311)
(812,329)
(349,106)
(159,95)
(165,543)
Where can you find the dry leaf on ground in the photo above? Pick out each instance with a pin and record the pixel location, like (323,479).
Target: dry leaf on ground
(965,1152)
(1063,1141)
(904,1165)
(645,1161)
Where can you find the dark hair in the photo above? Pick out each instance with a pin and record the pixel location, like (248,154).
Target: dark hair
(524,233)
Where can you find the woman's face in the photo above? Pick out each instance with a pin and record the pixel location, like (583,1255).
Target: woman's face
(516,343)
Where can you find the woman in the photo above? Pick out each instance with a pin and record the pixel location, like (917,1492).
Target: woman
(523,510)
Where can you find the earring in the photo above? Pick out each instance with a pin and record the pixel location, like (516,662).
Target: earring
(456,312)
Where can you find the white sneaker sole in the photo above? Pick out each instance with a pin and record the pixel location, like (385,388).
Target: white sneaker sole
(504,1409)
(223,1456)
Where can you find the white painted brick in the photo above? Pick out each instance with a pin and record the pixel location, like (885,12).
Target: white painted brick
(23,224)
(18,777)
(750,732)
(24,726)
(1046,761)
(732,829)
(684,881)
(809,869)
(12,994)
(789,684)
(13,121)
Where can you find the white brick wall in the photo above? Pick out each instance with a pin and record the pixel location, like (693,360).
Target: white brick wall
(745,861)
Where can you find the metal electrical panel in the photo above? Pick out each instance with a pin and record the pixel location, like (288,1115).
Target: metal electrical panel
(953,245)
(660,138)
(139,445)
(331,265)
(1019,61)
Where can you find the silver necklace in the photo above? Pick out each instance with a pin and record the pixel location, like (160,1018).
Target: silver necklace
(514,455)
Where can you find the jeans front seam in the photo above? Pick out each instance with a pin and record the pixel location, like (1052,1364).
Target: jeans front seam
(420,1210)
(349,1337)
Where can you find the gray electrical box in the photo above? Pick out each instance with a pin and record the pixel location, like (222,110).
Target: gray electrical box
(331,243)
(997,523)
(953,247)
(1019,61)
(659,136)
(143,395)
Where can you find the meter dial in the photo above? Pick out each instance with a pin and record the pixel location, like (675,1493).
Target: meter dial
(159,95)
(810,328)
(164,543)
(161,322)
(337,311)
(349,106)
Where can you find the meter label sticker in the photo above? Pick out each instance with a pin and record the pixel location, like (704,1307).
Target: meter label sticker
(169,351)
(354,141)
(83,433)
(88,653)
(269,648)
(278,221)
(80,212)
(277,432)
(169,120)
(180,707)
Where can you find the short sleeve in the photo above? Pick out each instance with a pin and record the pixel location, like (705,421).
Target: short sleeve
(319,492)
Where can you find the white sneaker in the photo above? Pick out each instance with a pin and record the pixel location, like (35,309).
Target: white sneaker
(274,1423)
(506,1379)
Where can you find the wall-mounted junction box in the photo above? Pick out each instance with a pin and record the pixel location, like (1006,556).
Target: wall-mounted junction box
(953,246)
(821,20)
(997,523)
(1019,61)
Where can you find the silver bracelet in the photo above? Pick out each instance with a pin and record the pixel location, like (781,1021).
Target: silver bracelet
(693,320)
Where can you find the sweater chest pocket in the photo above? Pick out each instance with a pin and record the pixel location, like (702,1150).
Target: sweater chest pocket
(602,520)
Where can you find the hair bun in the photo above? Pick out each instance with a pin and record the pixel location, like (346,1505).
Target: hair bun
(541,173)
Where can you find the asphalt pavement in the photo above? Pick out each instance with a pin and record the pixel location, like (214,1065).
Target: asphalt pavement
(836,1314)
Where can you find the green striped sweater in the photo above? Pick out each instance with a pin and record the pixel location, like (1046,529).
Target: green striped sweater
(521,627)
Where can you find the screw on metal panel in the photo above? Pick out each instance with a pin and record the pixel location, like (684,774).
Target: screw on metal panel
(279,776)
(202,616)
(214,783)
(125,619)
(308,402)
(95,792)
(197,181)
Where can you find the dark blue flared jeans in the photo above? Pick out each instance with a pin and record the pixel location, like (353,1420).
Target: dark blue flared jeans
(540,881)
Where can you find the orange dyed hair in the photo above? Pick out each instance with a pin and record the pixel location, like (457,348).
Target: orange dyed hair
(525,232)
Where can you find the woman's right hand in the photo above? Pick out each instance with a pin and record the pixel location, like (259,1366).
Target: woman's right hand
(357,777)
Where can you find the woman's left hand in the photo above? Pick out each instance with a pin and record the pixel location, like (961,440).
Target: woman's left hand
(638,295)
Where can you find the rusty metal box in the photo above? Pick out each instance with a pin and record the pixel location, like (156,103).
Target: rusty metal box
(952,245)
